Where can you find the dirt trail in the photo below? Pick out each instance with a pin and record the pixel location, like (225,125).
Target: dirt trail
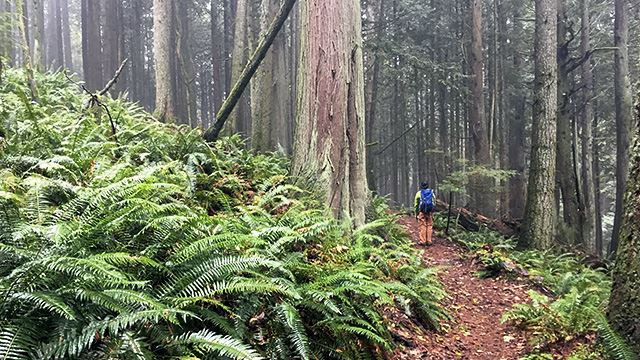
(476,306)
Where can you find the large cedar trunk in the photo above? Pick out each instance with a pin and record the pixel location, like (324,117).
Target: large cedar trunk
(163,50)
(539,213)
(329,142)
(624,304)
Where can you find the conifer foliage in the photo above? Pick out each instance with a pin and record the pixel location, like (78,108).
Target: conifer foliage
(153,244)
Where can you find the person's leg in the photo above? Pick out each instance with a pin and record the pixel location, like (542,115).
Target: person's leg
(422,227)
(429,228)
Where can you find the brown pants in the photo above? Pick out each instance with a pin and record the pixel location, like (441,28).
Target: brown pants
(425,223)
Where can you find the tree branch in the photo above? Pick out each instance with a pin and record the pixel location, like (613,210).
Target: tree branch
(576,63)
(114,80)
(212,133)
(398,138)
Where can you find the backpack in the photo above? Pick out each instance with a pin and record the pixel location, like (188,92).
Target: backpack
(426,201)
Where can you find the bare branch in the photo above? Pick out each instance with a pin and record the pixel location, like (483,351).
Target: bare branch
(114,80)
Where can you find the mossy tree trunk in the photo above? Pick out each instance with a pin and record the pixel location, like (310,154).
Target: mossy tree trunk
(539,212)
(329,141)
(624,304)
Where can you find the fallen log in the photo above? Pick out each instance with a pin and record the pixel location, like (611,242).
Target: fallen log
(472,221)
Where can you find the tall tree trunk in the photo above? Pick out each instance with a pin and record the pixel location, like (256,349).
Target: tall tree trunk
(329,141)
(517,128)
(39,48)
(270,126)
(539,218)
(624,304)
(66,34)
(218,54)
(91,45)
(564,161)
(481,192)
(4,36)
(136,53)
(241,115)
(624,106)
(596,183)
(586,123)
(185,69)
(58,43)
(373,98)
(113,34)
(163,54)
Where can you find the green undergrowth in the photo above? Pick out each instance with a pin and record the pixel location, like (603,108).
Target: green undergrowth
(153,244)
(568,299)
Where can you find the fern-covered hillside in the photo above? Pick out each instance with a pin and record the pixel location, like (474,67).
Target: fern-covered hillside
(152,244)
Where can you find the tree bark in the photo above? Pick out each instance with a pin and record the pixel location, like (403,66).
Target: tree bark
(329,141)
(163,54)
(624,304)
(623,104)
(539,215)
(481,191)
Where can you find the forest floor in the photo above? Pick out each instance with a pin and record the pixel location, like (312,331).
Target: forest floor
(475,305)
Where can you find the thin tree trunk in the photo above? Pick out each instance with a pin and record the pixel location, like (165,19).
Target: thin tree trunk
(240,115)
(482,199)
(586,123)
(270,98)
(39,46)
(218,55)
(136,53)
(66,34)
(539,218)
(113,33)
(564,163)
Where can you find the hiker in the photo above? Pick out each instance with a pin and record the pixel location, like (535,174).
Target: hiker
(424,207)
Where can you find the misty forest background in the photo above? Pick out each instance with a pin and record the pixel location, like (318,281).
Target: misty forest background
(152,206)
(419,58)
